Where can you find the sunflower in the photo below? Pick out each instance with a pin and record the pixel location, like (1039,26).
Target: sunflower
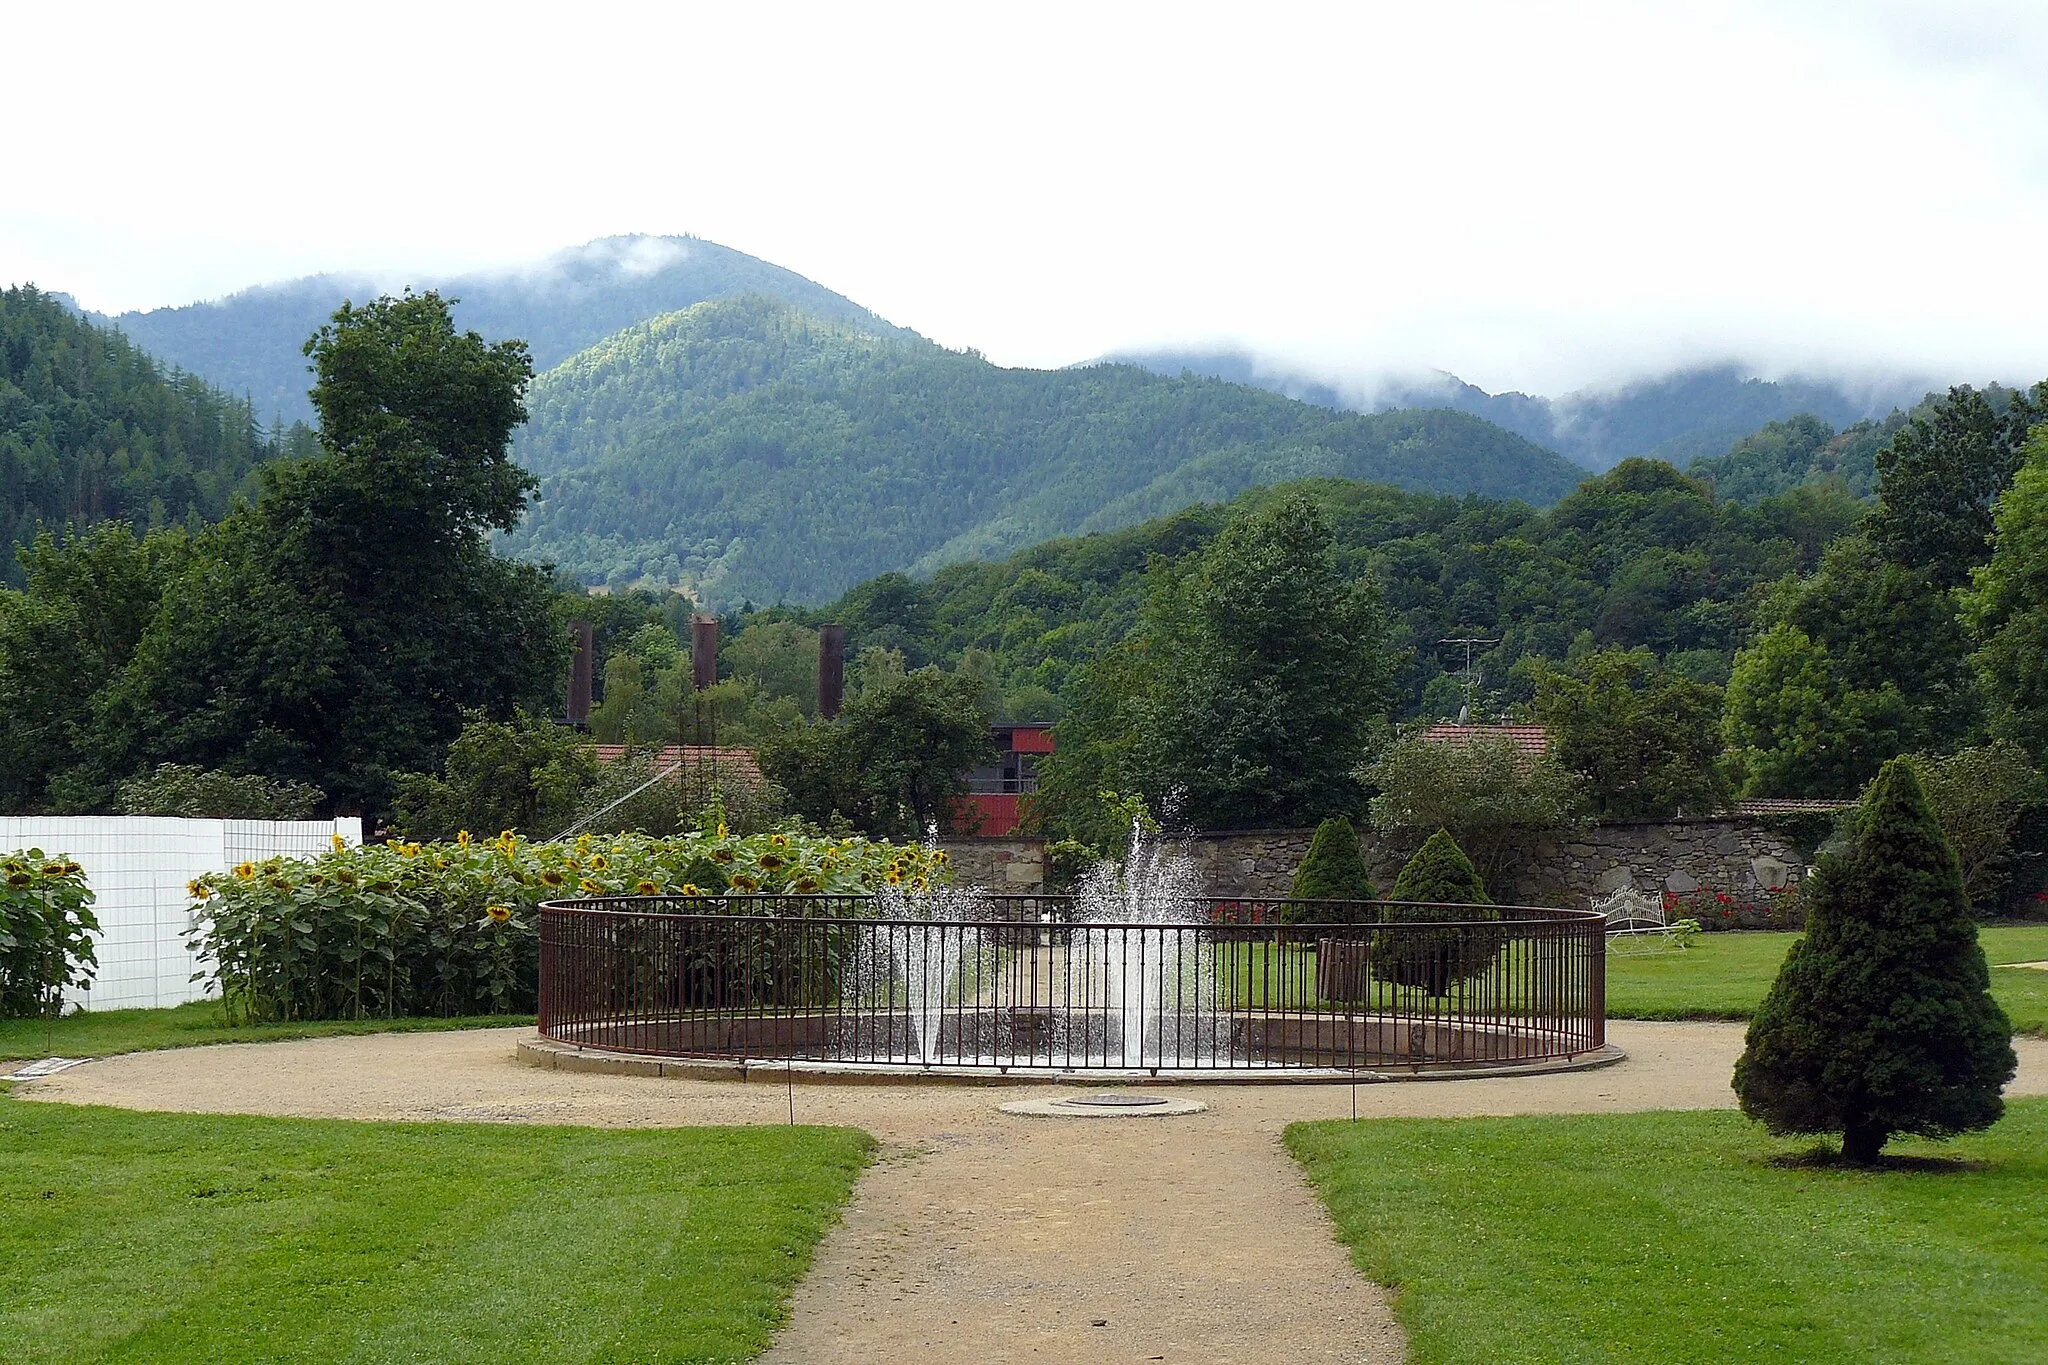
(691,889)
(742,882)
(344,877)
(778,841)
(339,842)
(769,862)
(53,869)
(19,880)
(550,877)
(245,871)
(894,876)
(197,889)
(462,837)
(498,913)
(807,886)
(643,887)
(721,855)
(590,888)
(598,864)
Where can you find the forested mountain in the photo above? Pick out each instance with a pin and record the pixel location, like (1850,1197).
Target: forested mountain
(1676,418)
(92,429)
(745,450)
(1641,556)
(251,342)
(1801,450)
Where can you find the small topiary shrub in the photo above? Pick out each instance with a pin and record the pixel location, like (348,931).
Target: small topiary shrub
(1438,875)
(1881,1020)
(1334,870)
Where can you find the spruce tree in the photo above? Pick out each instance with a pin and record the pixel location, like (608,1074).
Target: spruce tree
(1438,875)
(1881,1021)
(1333,870)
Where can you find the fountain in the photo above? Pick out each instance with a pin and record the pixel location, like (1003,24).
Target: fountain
(1139,983)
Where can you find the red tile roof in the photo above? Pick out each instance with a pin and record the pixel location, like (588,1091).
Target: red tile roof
(1531,739)
(1800,806)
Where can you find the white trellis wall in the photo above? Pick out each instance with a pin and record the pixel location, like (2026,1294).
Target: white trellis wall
(138,867)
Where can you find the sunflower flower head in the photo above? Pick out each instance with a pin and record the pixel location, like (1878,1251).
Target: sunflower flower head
(462,837)
(498,913)
(245,871)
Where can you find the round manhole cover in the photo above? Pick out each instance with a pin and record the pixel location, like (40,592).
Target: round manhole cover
(1111,1101)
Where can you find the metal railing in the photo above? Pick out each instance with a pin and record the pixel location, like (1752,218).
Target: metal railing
(1247,986)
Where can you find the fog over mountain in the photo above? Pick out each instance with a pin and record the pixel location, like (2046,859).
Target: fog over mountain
(1678,417)
(250,342)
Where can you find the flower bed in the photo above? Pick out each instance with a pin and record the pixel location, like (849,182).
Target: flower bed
(1761,909)
(449,928)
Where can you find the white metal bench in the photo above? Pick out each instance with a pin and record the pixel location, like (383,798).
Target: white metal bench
(1637,922)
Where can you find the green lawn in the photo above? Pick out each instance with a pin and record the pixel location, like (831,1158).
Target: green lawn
(1671,1237)
(161,1237)
(1724,976)
(102,1033)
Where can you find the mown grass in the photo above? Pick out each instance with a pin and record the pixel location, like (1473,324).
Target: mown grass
(1675,1238)
(103,1033)
(1725,976)
(159,1237)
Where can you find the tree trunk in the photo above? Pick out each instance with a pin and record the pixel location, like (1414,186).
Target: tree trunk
(1861,1143)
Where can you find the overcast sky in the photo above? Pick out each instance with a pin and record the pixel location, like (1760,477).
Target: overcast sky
(1534,196)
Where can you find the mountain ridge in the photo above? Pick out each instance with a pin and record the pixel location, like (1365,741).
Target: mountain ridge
(250,341)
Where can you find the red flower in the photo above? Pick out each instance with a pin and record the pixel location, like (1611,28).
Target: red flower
(1724,898)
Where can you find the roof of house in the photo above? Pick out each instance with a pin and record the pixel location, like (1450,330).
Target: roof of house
(739,762)
(1531,739)
(1799,806)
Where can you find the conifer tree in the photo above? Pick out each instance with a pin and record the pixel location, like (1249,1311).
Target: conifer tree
(1881,1021)
(1438,875)
(1333,870)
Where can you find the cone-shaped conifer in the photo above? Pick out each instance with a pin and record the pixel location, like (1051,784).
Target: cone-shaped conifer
(1881,1021)
(1438,875)
(1333,870)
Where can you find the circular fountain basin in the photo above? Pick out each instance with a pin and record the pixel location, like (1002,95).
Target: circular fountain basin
(1099,1104)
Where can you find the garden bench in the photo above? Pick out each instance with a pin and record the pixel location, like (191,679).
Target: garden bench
(1637,922)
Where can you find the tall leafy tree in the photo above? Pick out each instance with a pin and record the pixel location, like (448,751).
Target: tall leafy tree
(1939,477)
(335,632)
(1881,1021)
(1253,686)
(1797,728)
(1646,739)
(2007,607)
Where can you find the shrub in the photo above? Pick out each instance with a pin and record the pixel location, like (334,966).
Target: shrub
(525,774)
(1438,875)
(46,927)
(449,929)
(1333,870)
(1881,1020)
(179,789)
(1486,790)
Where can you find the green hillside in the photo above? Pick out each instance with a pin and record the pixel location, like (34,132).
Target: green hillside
(748,451)
(1641,556)
(92,429)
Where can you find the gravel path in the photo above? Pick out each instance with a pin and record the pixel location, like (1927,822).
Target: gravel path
(979,1235)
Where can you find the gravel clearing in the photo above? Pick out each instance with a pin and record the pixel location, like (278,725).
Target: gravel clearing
(980,1235)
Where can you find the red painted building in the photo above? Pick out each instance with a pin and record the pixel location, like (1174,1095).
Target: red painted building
(993,806)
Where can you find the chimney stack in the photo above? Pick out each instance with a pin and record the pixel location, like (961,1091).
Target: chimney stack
(704,653)
(580,671)
(831,670)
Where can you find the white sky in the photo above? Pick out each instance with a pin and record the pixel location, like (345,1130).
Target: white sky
(1532,195)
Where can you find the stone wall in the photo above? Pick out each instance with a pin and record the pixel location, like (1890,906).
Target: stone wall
(1014,866)
(1689,857)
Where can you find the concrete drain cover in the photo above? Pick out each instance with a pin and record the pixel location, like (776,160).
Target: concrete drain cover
(1102,1104)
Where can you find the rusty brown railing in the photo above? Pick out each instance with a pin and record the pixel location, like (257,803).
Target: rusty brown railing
(1247,986)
